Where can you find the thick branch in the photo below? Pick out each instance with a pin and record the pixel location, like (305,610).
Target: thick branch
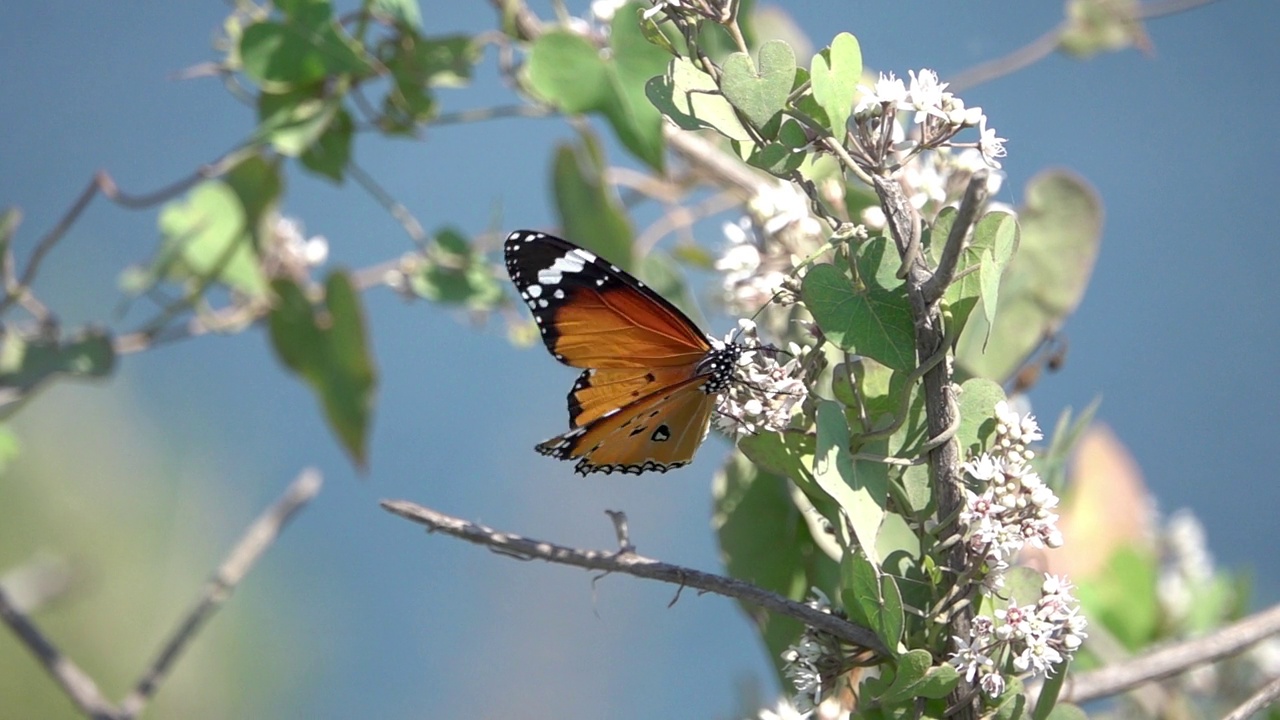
(1172,660)
(939,397)
(632,564)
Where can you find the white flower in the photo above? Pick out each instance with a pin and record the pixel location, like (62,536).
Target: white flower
(604,10)
(887,90)
(764,393)
(927,95)
(989,145)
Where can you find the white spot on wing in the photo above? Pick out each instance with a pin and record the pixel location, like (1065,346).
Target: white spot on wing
(569,263)
(534,291)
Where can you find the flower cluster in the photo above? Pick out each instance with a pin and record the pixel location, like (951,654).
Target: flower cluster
(289,252)
(939,116)
(1012,506)
(1031,638)
(763,245)
(816,663)
(764,393)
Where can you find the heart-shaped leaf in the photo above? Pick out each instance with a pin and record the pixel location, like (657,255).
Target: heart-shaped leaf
(835,73)
(760,93)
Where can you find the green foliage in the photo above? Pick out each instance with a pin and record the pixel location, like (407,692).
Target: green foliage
(213,235)
(835,73)
(765,540)
(871,598)
(568,71)
(327,348)
(860,495)
(872,322)
(1123,598)
(691,99)
(1061,226)
(759,90)
(590,212)
(302,50)
(26,363)
(452,273)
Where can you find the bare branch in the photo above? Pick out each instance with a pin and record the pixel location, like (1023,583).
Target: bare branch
(75,682)
(975,198)
(1174,659)
(255,541)
(1256,703)
(632,564)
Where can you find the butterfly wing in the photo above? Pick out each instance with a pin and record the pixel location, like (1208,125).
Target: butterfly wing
(598,391)
(593,314)
(660,431)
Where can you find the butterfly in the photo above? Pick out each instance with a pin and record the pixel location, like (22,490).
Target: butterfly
(651,377)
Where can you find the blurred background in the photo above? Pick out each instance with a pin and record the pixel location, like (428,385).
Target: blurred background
(143,482)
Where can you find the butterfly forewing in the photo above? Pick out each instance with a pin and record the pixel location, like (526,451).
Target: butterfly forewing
(594,315)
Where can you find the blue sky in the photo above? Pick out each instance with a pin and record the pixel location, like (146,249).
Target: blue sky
(1177,335)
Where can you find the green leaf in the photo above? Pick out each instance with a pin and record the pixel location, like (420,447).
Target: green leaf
(1049,692)
(331,152)
(590,212)
(760,94)
(308,47)
(1123,597)
(876,325)
(978,398)
(1061,226)
(405,11)
(692,100)
(451,273)
(765,540)
(637,61)
(917,677)
(986,256)
(26,363)
(327,348)
(776,159)
(207,238)
(834,74)
(567,70)
(862,499)
(1094,26)
(871,598)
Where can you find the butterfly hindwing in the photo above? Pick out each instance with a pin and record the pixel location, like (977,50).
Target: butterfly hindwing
(658,432)
(593,314)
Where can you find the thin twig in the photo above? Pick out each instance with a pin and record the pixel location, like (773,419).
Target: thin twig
(1169,661)
(75,682)
(633,564)
(975,198)
(255,541)
(1257,702)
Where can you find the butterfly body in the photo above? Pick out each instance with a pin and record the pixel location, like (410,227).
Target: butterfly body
(651,377)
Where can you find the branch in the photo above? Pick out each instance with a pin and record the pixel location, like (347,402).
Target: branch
(1256,703)
(628,562)
(975,198)
(81,688)
(939,400)
(1172,660)
(255,541)
(75,682)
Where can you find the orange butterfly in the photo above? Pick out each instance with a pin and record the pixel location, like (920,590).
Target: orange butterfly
(652,378)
